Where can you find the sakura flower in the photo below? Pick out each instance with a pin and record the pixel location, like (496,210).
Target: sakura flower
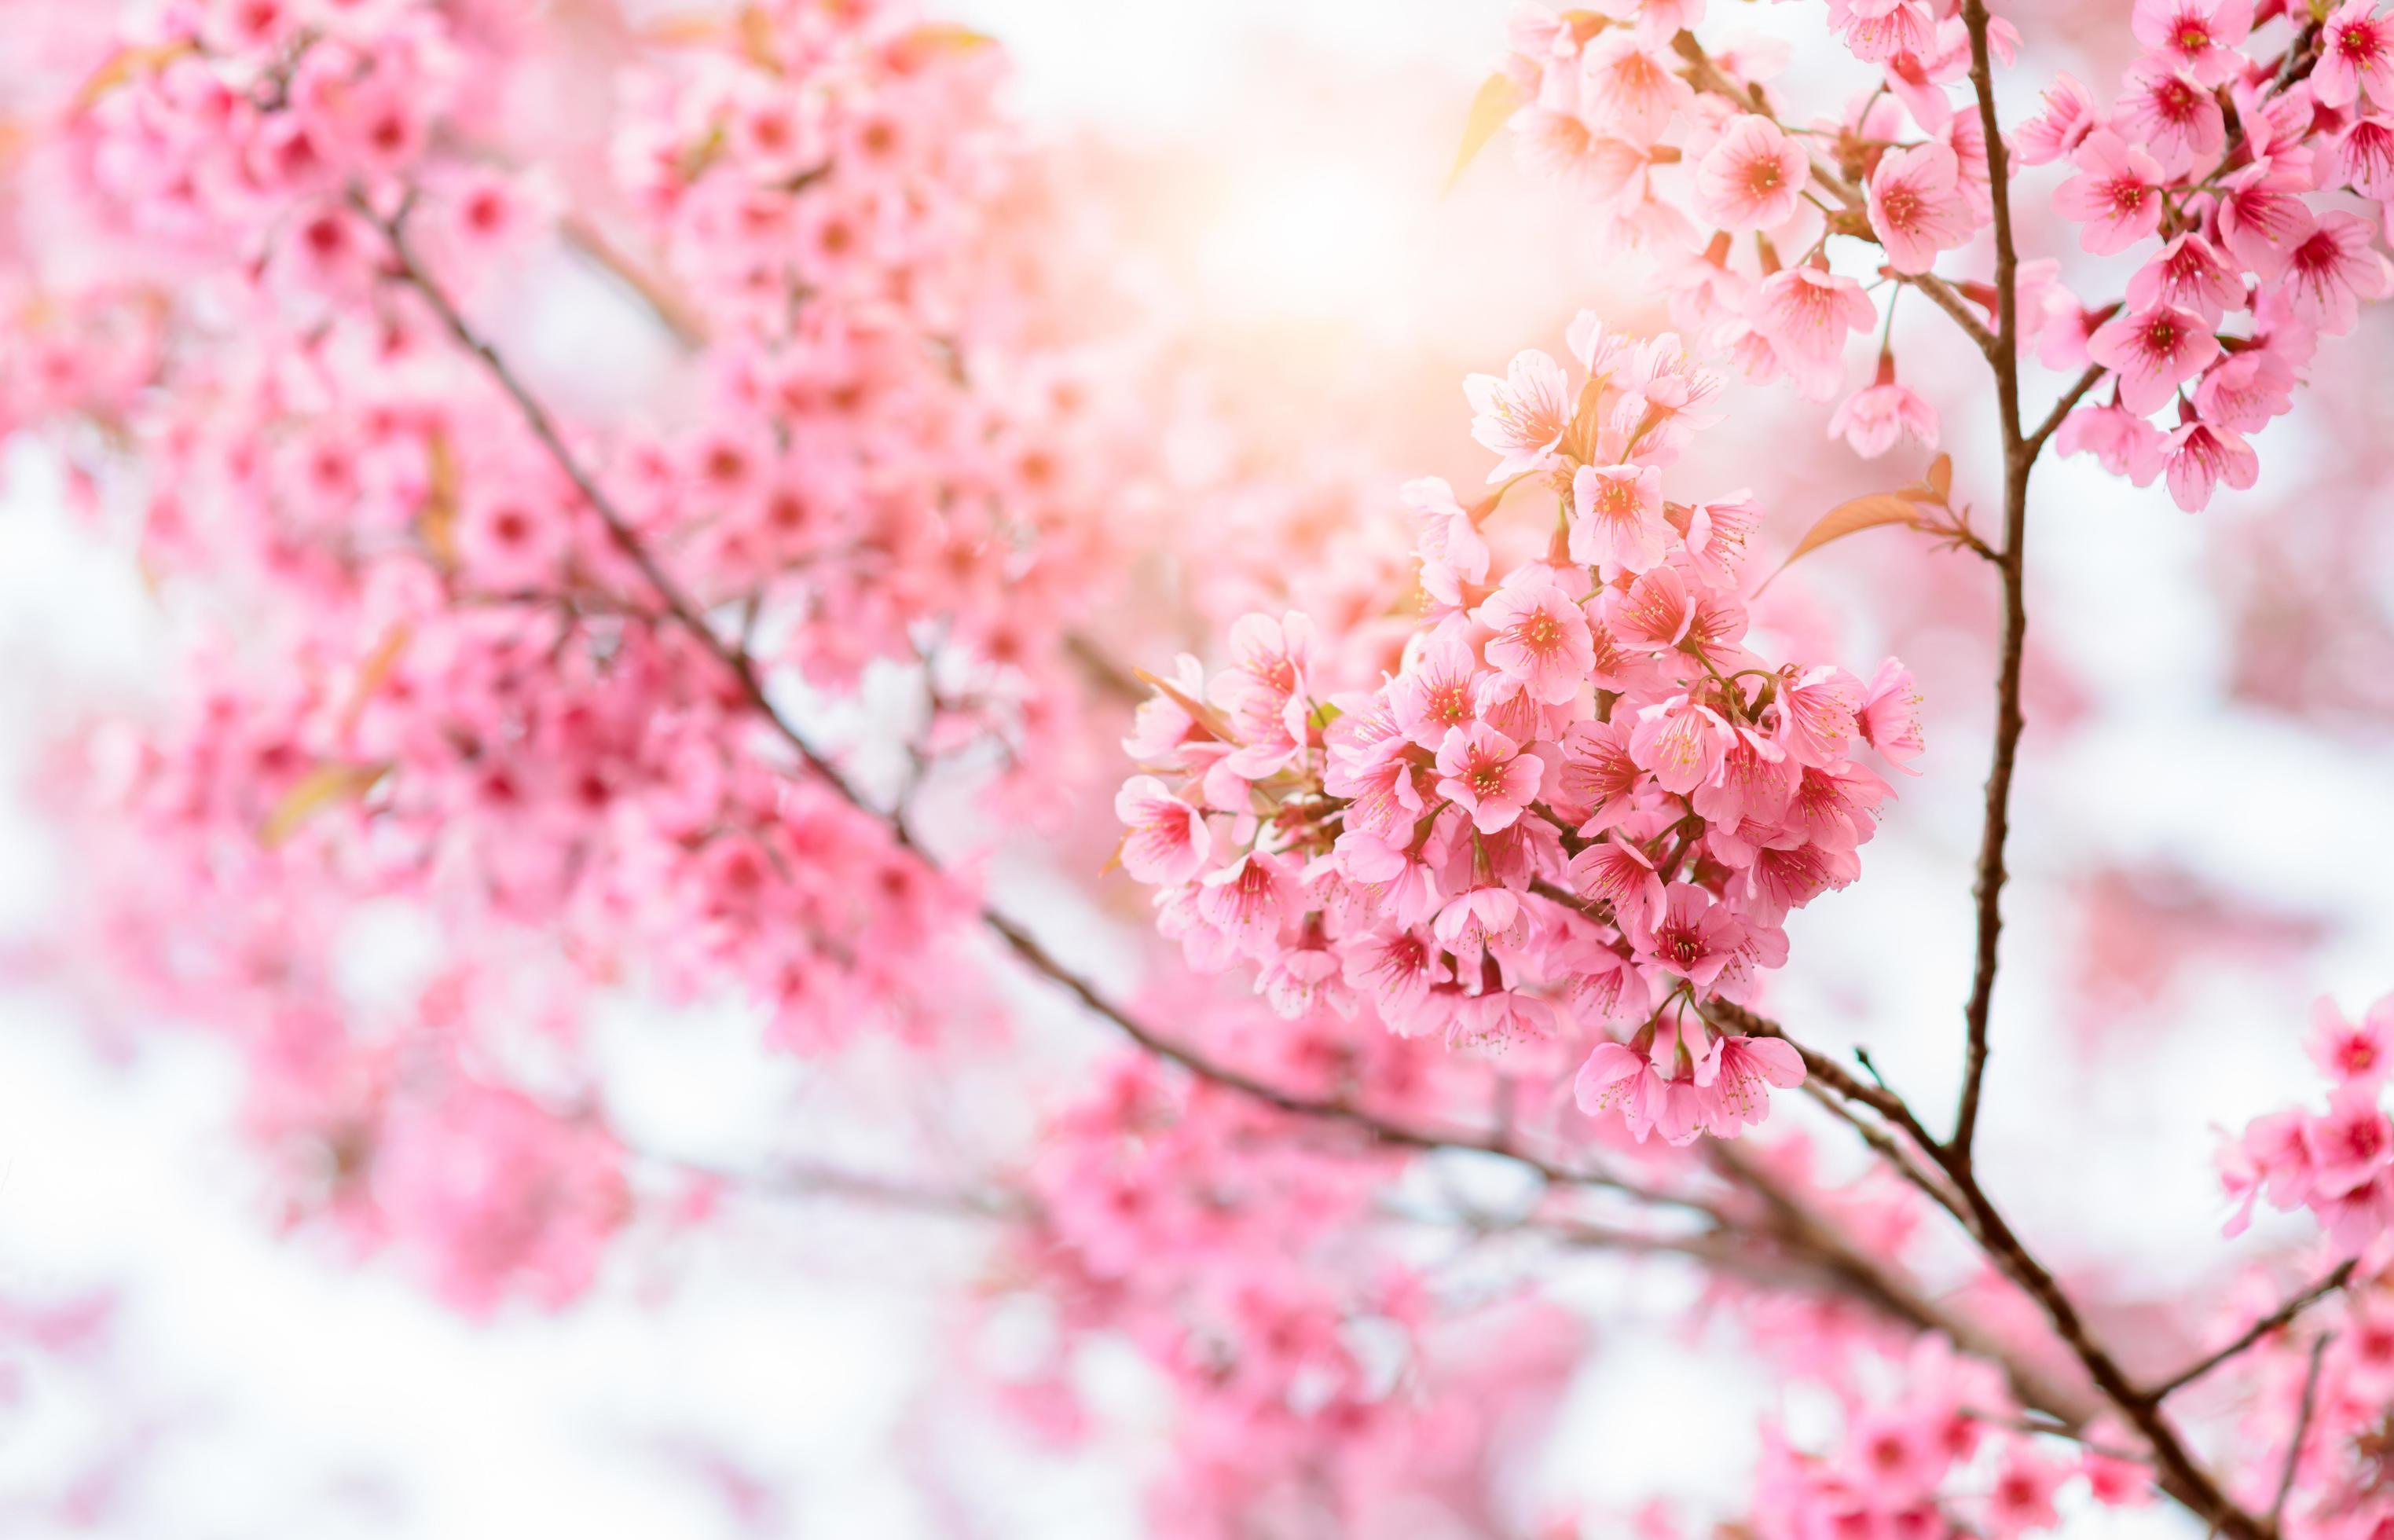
(1891,715)
(1872,419)
(1498,1019)
(2117,193)
(1679,743)
(2245,391)
(1438,691)
(1754,176)
(2021,1499)
(1246,901)
(2336,268)
(2068,118)
(1485,773)
(2199,36)
(1396,968)
(1598,774)
(1616,1076)
(1539,638)
(1168,841)
(1617,875)
(2178,122)
(1717,536)
(2348,1145)
(2263,219)
(2199,455)
(1818,713)
(2356,55)
(1521,416)
(1742,1072)
(2154,351)
(1916,207)
(1629,88)
(1478,918)
(2125,442)
(2357,1054)
(1448,538)
(2364,157)
(1693,937)
(1617,517)
(1806,314)
(1653,615)
(2188,275)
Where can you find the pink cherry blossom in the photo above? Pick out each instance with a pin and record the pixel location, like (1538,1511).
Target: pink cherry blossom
(1617,517)
(2356,55)
(1916,207)
(1485,773)
(1521,416)
(2116,193)
(2155,351)
(1539,637)
(1753,176)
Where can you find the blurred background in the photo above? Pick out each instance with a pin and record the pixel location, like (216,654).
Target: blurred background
(2206,819)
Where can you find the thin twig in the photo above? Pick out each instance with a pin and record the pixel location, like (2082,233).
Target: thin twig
(2070,397)
(2302,1431)
(2282,1316)
(2017,461)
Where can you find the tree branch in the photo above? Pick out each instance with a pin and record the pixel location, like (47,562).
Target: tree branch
(2302,1431)
(2017,459)
(2282,1316)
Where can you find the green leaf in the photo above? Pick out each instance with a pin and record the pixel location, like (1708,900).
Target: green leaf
(1492,106)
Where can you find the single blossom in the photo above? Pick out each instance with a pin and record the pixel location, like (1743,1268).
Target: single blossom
(1917,205)
(2117,193)
(1872,419)
(1617,517)
(2153,351)
(1754,176)
(2356,55)
(1168,841)
(1486,774)
(1521,416)
(1538,638)
(2197,36)
(2199,455)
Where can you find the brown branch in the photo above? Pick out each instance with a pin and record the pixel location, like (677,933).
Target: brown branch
(2281,1317)
(2070,397)
(2302,1431)
(2017,459)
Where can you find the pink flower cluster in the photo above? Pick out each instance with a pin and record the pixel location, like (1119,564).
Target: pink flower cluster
(1581,800)
(1691,160)
(2247,186)
(1941,1457)
(2252,181)
(2338,1164)
(2339,1489)
(1310,1367)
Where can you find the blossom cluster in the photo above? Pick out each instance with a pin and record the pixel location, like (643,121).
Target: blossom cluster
(430,673)
(2247,181)
(2315,1418)
(1312,1372)
(1580,799)
(2223,173)
(2338,1164)
(1941,1456)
